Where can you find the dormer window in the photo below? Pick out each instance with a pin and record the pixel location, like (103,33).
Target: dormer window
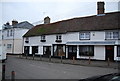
(26,40)
(58,38)
(84,35)
(43,38)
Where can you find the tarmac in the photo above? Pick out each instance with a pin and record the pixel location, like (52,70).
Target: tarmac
(87,62)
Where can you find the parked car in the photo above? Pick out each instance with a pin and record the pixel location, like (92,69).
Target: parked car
(107,77)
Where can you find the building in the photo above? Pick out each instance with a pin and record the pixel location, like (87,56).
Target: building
(12,36)
(96,37)
(0,44)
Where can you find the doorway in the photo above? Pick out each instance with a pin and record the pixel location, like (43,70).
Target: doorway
(72,52)
(109,53)
(46,51)
(34,49)
(26,50)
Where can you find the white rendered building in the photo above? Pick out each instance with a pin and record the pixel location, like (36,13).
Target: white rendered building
(97,37)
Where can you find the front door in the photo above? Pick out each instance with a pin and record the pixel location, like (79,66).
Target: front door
(46,51)
(110,53)
(34,49)
(26,50)
(72,52)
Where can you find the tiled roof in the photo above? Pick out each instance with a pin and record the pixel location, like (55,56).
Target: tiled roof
(23,24)
(107,21)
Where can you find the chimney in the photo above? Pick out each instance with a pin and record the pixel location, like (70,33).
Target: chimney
(100,8)
(46,20)
(14,22)
(7,23)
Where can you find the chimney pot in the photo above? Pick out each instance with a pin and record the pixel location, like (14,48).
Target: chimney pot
(14,22)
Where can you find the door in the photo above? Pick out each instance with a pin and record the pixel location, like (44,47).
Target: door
(26,50)
(34,49)
(46,51)
(110,53)
(72,52)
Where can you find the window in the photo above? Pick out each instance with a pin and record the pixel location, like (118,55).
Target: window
(58,38)
(59,50)
(86,50)
(112,35)
(43,38)
(7,33)
(26,40)
(9,46)
(11,32)
(84,35)
(118,51)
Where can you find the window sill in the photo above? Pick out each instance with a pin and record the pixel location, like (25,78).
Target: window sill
(43,40)
(26,41)
(58,41)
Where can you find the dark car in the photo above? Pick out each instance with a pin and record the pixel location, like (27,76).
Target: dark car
(107,77)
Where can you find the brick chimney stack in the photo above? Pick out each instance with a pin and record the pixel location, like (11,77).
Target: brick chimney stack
(46,20)
(14,22)
(100,8)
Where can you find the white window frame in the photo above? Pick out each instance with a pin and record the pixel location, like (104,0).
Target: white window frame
(43,37)
(7,33)
(58,37)
(84,36)
(111,35)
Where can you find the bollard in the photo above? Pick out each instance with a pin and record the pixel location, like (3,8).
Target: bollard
(108,61)
(33,56)
(26,56)
(3,72)
(13,76)
(49,58)
(40,57)
(61,59)
(73,59)
(89,60)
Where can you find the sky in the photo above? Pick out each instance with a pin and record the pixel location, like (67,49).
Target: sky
(34,11)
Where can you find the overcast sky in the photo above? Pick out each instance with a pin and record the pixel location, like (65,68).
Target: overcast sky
(35,11)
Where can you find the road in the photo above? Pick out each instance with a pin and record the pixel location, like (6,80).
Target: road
(31,69)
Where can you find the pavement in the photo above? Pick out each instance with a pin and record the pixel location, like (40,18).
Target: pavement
(91,63)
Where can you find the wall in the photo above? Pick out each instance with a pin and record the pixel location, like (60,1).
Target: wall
(18,41)
(99,50)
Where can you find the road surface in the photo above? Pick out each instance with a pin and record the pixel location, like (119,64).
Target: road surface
(31,69)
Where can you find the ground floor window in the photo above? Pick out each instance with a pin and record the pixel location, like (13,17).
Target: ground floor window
(59,50)
(118,51)
(9,46)
(86,50)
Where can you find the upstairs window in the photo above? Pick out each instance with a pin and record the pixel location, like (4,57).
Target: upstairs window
(112,35)
(26,40)
(7,33)
(58,38)
(11,32)
(85,35)
(43,38)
